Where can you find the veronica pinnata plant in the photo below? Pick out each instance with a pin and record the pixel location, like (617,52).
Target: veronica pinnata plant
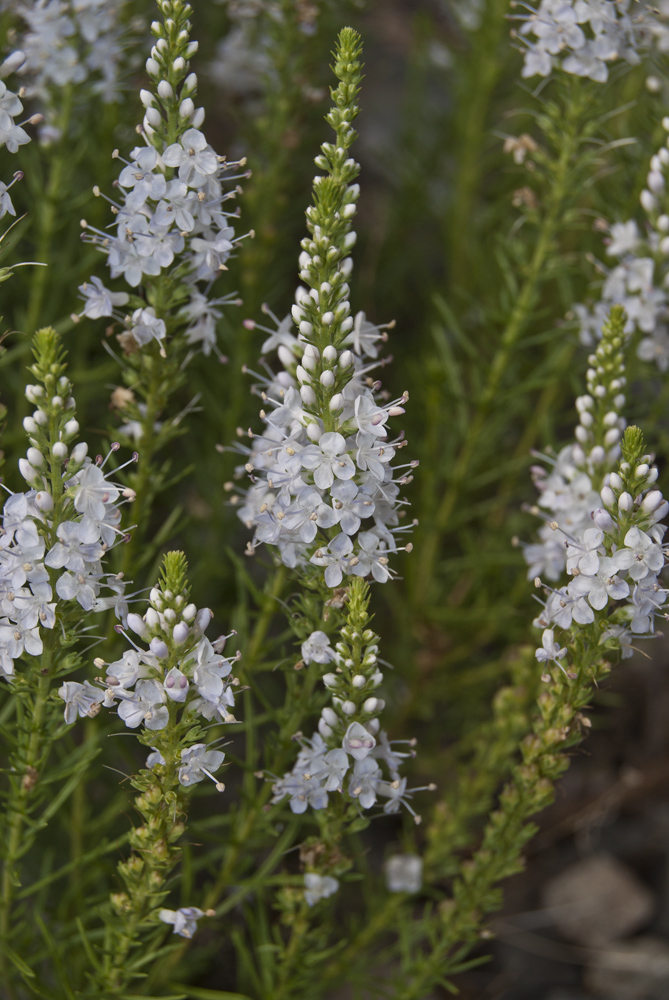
(350,751)
(638,281)
(162,692)
(170,240)
(323,465)
(582,37)
(603,517)
(54,543)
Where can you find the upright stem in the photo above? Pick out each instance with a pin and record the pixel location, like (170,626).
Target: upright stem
(46,217)
(485,66)
(515,326)
(31,755)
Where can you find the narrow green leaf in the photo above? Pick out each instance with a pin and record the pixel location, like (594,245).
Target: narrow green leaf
(16,960)
(197,993)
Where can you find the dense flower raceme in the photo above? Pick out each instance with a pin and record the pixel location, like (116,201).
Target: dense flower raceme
(330,498)
(639,280)
(349,754)
(583,37)
(12,134)
(69,42)
(52,551)
(170,216)
(601,527)
(179,670)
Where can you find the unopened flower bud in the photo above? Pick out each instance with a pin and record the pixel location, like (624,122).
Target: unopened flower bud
(612,437)
(44,500)
(348,708)
(371,705)
(647,200)
(330,353)
(28,472)
(59,449)
(165,91)
(615,481)
(324,729)
(330,680)
(180,632)
(79,452)
(625,502)
(30,425)
(327,378)
(337,402)
(651,501)
(603,520)
(202,619)
(308,395)
(186,108)
(189,612)
(329,716)
(71,427)
(159,648)
(146,97)
(138,625)
(359,681)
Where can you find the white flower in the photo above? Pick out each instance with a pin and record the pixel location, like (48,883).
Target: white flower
(184,919)
(99,301)
(641,556)
(80,699)
(146,326)
(328,459)
(358,741)
(550,648)
(335,558)
(404,873)
(317,648)
(198,761)
(193,156)
(365,780)
(624,238)
(317,887)
(93,492)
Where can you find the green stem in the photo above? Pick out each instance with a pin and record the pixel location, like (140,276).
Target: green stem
(143,481)
(49,203)
(483,67)
(30,756)
(516,324)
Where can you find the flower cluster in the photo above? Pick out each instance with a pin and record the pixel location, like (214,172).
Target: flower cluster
(602,527)
(638,282)
(349,754)
(55,536)
(65,43)
(581,36)
(12,134)
(324,489)
(329,497)
(180,667)
(184,920)
(171,228)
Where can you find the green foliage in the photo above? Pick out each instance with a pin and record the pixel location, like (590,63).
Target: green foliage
(481,259)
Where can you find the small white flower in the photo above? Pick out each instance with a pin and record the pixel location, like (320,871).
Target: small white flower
(404,873)
(317,887)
